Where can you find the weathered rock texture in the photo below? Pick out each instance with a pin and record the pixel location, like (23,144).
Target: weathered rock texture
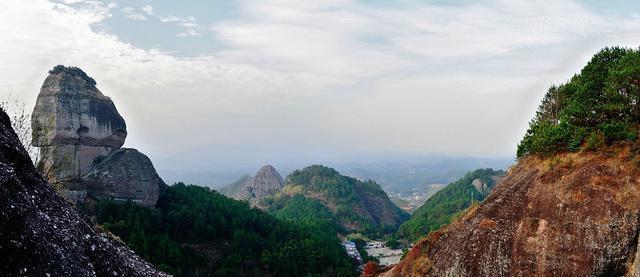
(42,235)
(266,182)
(80,132)
(482,187)
(570,215)
(73,120)
(125,174)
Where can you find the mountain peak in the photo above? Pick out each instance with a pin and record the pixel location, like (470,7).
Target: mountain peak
(72,71)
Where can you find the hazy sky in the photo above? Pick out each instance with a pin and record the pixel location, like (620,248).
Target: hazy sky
(223,82)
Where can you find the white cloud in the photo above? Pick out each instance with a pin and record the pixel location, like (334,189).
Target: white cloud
(148,9)
(129,12)
(321,76)
(190,25)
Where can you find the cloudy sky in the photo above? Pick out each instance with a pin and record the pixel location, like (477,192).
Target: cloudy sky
(203,83)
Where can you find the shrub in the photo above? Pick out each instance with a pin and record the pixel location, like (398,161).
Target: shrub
(555,161)
(595,141)
(614,131)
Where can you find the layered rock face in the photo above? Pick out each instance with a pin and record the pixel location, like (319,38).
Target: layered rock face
(570,215)
(266,182)
(80,132)
(42,235)
(74,123)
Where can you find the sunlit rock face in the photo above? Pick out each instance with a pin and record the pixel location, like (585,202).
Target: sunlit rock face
(70,110)
(80,133)
(74,123)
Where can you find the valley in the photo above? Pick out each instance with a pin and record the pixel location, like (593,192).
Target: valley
(283,138)
(384,254)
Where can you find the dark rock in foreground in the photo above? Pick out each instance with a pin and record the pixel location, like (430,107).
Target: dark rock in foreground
(43,235)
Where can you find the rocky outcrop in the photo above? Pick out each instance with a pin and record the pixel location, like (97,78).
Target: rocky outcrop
(80,132)
(42,235)
(266,182)
(481,186)
(74,121)
(125,174)
(569,215)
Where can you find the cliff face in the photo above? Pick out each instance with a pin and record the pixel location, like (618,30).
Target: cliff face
(80,132)
(266,182)
(74,123)
(569,215)
(71,110)
(41,234)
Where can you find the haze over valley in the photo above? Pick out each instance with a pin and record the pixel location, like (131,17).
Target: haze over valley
(319,138)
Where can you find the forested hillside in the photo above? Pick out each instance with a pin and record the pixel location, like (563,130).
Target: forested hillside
(596,107)
(197,231)
(569,206)
(442,207)
(319,192)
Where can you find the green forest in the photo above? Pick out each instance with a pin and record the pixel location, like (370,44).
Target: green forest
(441,208)
(599,106)
(197,231)
(357,203)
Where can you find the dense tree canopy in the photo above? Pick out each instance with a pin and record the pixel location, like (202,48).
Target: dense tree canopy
(600,105)
(321,193)
(195,230)
(441,208)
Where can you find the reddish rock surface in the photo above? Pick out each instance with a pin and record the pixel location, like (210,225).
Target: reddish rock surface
(570,215)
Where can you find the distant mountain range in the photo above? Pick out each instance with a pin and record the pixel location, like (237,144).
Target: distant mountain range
(397,175)
(320,193)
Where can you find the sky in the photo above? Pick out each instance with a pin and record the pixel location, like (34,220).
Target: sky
(203,84)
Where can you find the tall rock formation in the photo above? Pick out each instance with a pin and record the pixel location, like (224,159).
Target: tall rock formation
(42,235)
(80,132)
(74,123)
(266,182)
